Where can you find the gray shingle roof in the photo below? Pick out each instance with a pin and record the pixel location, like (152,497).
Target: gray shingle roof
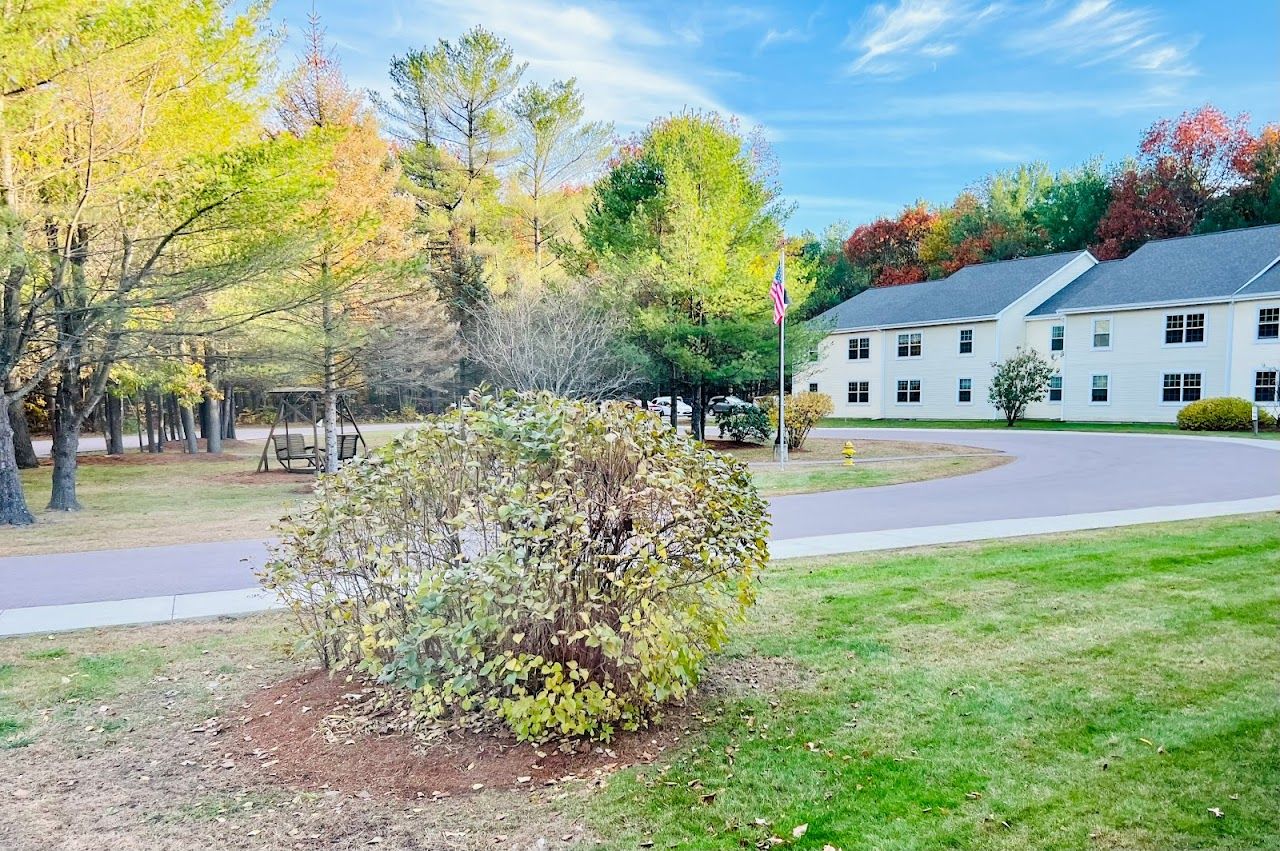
(973,292)
(1189,268)
(1267,282)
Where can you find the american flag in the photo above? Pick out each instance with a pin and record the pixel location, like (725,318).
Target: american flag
(778,292)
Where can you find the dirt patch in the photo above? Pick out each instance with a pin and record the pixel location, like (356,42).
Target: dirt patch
(174,451)
(282,733)
(303,481)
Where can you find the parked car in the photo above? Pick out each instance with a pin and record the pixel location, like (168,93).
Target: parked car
(662,404)
(720,404)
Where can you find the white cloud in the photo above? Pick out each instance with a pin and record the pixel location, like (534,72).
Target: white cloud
(629,70)
(894,40)
(1093,32)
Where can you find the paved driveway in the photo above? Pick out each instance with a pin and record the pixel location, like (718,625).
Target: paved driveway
(1054,473)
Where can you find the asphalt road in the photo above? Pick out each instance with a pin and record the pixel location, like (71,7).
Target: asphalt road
(1054,473)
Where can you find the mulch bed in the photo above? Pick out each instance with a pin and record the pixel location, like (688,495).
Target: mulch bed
(281,732)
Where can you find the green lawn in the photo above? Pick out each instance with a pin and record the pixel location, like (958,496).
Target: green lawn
(1042,425)
(800,478)
(1097,690)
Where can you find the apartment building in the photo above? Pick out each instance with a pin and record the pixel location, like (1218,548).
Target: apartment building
(1134,339)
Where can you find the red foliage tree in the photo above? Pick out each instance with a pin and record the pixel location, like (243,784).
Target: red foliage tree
(890,248)
(1184,166)
(1144,206)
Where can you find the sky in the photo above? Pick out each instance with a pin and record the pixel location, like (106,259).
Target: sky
(867,106)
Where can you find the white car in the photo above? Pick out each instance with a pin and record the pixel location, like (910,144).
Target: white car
(662,404)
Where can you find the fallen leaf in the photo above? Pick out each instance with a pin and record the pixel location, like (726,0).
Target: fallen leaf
(799,830)
(1217,813)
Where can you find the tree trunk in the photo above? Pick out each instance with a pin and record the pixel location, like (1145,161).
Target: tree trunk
(205,418)
(229,414)
(671,397)
(66,443)
(213,408)
(189,429)
(695,416)
(24,453)
(115,424)
(13,502)
(330,392)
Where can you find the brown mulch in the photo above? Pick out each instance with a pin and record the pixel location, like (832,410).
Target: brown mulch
(730,445)
(281,732)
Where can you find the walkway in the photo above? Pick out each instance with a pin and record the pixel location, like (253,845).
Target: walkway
(1059,481)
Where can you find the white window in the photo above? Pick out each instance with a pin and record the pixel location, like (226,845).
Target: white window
(1055,388)
(909,391)
(1269,323)
(909,345)
(813,387)
(1102,333)
(966,341)
(859,348)
(1181,387)
(964,392)
(1182,329)
(1100,390)
(1264,386)
(1057,337)
(859,392)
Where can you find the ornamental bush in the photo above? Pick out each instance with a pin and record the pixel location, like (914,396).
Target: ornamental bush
(744,423)
(803,412)
(527,561)
(1223,413)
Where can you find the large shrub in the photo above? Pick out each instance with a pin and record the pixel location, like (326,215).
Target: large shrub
(1223,413)
(803,412)
(527,560)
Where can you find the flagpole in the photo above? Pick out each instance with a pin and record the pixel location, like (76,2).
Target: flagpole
(782,361)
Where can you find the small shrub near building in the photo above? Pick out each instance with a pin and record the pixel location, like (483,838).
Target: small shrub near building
(527,561)
(803,412)
(745,424)
(1222,413)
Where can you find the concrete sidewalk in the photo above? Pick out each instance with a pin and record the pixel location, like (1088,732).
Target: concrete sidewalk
(59,618)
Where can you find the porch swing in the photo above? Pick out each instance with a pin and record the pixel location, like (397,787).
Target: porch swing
(302,405)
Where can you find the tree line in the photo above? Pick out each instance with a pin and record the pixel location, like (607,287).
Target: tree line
(1203,171)
(181,230)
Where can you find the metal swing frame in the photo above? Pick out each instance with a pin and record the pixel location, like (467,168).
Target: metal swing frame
(291,451)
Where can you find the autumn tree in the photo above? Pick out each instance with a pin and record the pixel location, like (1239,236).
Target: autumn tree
(363,255)
(889,249)
(555,148)
(685,227)
(141,182)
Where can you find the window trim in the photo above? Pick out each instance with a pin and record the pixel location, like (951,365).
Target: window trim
(1049,395)
(1111,334)
(919,391)
(866,350)
(1257,327)
(1275,386)
(849,392)
(960,389)
(1060,340)
(1182,389)
(1094,375)
(961,341)
(1204,330)
(898,345)
(813,387)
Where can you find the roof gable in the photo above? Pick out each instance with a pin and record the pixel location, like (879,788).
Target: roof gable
(974,292)
(1190,268)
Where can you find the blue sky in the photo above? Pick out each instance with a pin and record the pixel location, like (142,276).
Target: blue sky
(868,106)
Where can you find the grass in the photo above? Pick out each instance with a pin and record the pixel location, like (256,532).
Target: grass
(775,481)
(142,500)
(1097,690)
(1039,425)
(1093,690)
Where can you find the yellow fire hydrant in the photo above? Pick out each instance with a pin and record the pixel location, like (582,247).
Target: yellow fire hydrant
(848,452)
